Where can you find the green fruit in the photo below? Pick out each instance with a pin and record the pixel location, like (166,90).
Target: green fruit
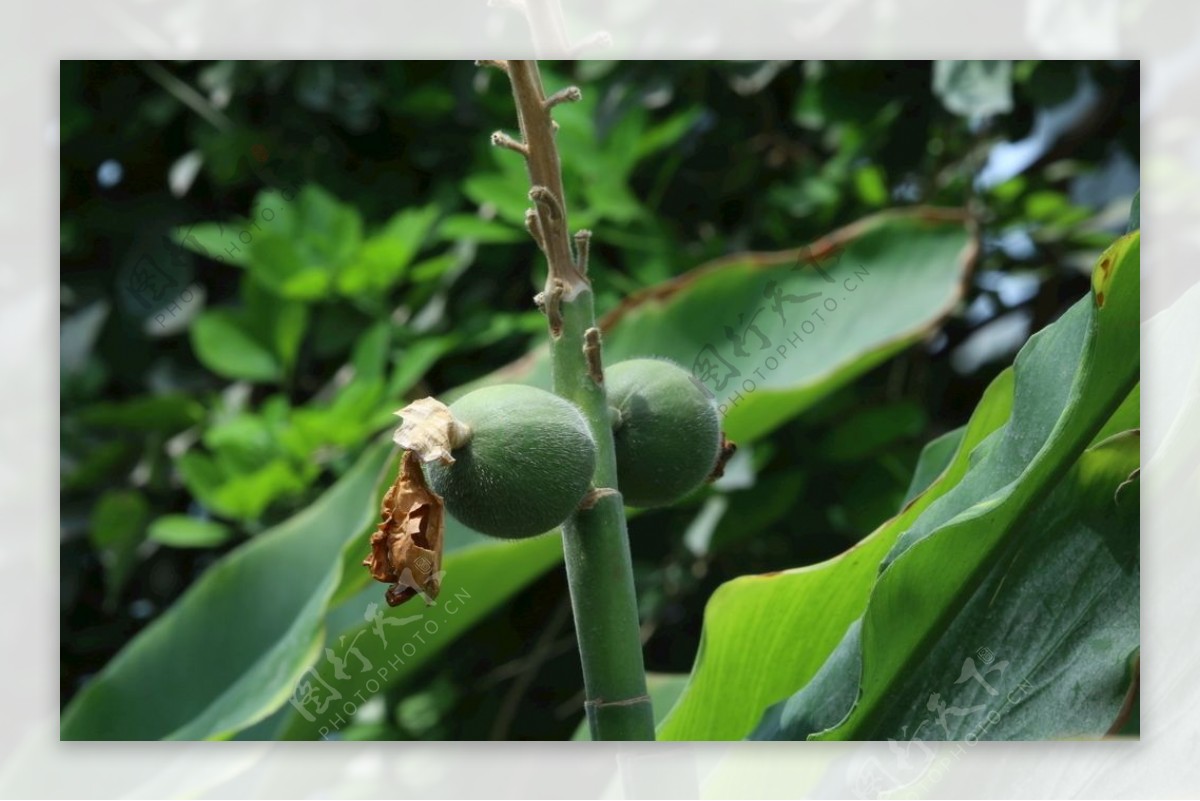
(527,464)
(666,429)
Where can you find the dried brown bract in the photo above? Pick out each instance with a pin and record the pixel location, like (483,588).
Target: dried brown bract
(428,428)
(406,549)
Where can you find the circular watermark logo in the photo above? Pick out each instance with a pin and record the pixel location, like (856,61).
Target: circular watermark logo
(154,282)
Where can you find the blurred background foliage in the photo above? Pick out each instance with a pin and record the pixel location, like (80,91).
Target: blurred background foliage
(262,260)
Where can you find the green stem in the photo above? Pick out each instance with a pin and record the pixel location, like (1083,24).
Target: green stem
(595,539)
(596,547)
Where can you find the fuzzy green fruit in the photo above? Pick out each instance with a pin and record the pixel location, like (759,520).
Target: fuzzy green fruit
(666,429)
(527,464)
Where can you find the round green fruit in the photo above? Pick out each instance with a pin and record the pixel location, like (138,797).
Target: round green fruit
(666,428)
(526,465)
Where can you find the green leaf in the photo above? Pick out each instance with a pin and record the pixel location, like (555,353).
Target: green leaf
(240,484)
(354,415)
(117,525)
(1069,380)
(871,185)
(751,623)
(1135,213)
(289,323)
(429,270)
(371,352)
(184,531)
(230,651)
(1054,208)
(415,360)
(486,232)
(279,324)
(254,343)
(167,413)
(329,230)
(935,456)
(1127,417)
(305,242)
(1008,191)
(277,262)
(224,343)
(215,241)
(383,259)
(1043,647)
(243,442)
(97,463)
(665,134)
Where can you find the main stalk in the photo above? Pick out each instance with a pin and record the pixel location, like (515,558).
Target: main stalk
(595,539)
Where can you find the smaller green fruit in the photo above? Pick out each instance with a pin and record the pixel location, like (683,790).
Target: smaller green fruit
(666,429)
(527,463)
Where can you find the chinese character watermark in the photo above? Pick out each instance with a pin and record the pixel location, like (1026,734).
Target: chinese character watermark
(322,696)
(914,765)
(750,353)
(156,282)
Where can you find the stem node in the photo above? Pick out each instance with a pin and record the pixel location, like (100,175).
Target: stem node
(595,496)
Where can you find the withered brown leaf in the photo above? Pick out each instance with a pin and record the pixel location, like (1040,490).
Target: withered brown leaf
(406,548)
